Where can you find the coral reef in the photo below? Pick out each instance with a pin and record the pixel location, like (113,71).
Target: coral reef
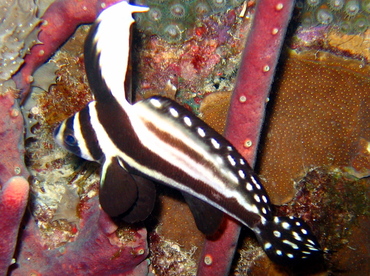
(339,209)
(59,22)
(84,255)
(332,129)
(215,115)
(318,118)
(331,198)
(172,20)
(13,175)
(170,258)
(13,200)
(204,64)
(52,239)
(18,33)
(65,215)
(256,75)
(59,233)
(321,101)
(340,31)
(247,109)
(349,16)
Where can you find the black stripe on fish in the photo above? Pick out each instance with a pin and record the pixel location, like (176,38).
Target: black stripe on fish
(129,196)
(159,139)
(92,56)
(89,135)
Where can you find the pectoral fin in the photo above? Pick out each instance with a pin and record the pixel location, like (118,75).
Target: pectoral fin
(144,203)
(207,218)
(118,190)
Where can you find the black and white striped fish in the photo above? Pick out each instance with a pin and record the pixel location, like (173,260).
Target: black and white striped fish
(158,139)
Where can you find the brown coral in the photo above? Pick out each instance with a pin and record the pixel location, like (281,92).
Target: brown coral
(215,115)
(320,114)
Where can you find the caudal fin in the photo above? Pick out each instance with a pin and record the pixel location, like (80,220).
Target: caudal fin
(288,241)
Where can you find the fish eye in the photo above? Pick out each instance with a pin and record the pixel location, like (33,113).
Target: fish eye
(70,140)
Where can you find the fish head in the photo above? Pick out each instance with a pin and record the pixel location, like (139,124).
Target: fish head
(78,137)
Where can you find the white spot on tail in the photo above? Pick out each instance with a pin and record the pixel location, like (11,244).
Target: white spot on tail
(215,144)
(293,245)
(258,186)
(304,231)
(254,180)
(174,112)
(264,210)
(257,198)
(241,174)
(285,225)
(156,103)
(201,132)
(264,198)
(231,160)
(311,242)
(267,245)
(277,234)
(296,236)
(279,252)
(187,121)
(249,187)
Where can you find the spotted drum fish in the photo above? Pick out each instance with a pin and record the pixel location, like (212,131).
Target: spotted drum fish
(157,139)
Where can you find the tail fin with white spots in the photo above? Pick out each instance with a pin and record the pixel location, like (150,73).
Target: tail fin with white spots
(288,241)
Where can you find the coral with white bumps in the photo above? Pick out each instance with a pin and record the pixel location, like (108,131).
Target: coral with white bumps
(18,33)
(171,19)
(351,16)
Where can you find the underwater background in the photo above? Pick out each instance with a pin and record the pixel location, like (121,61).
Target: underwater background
(313,153)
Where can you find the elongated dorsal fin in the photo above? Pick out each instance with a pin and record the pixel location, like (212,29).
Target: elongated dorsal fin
(107,49)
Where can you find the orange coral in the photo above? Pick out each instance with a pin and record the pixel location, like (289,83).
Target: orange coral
(213,109)
(320,115)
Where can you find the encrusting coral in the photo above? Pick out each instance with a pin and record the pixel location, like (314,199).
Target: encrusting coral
(171,20)
(18,33)
(349,16)
(321,102)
